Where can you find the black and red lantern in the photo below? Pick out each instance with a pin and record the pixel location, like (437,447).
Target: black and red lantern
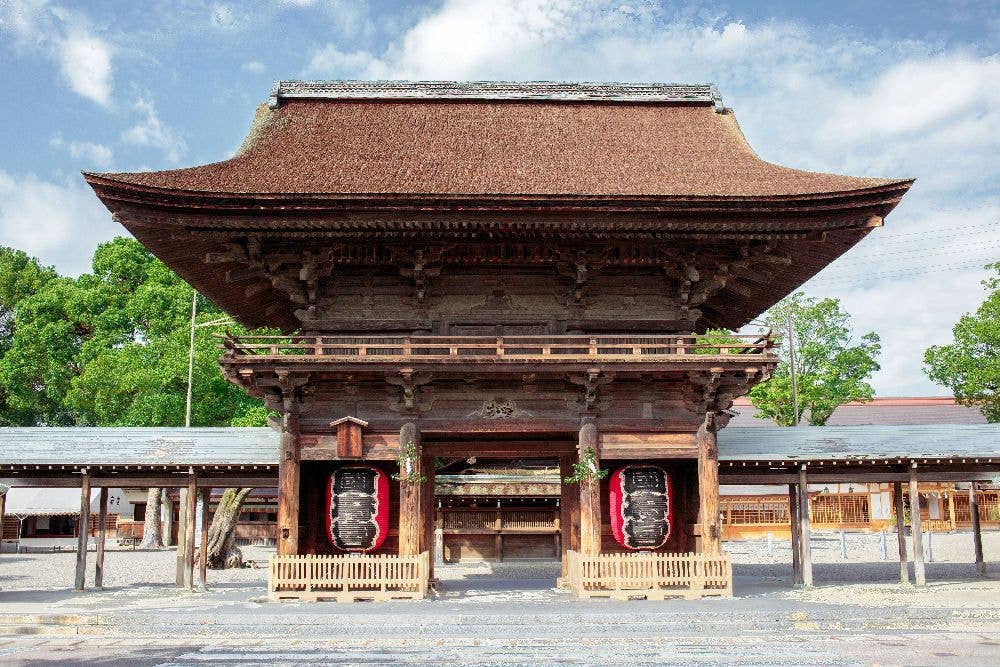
(641,507)
(357,508)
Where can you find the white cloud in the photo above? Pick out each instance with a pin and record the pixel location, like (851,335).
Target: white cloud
(152,132)
(331,62)
(254,66)
(60,223)
(84,58)
(85,63)
(94,155)
(222,15)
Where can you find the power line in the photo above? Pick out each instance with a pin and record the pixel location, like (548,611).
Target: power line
(931,268)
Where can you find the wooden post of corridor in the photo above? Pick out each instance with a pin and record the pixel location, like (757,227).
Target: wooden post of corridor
(102,519)
(805,537)
(192,510)
(918,539)
(288,483)
(590,493)
(897,501)
(83,530)
(708,486)
(411,517)
(977,530)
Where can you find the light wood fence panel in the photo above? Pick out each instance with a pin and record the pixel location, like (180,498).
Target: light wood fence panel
(650,575)
(348,578)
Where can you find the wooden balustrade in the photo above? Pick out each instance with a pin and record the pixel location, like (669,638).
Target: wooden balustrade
(619,348)
(348,578)
(653,576)
(459,520)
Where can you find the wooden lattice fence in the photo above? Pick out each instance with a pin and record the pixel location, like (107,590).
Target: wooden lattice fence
(652,576)
(348,578)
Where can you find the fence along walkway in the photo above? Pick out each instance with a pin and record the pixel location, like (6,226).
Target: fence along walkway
(651,576)
(348,578)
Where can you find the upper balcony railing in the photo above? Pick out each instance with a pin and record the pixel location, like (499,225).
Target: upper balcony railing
(501,349)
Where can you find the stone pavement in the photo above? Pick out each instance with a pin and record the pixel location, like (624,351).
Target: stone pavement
(493,621)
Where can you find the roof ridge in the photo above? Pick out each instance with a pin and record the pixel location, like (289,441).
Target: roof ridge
(562,91)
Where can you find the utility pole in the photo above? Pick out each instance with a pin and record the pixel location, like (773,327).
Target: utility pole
(791,366)
(194,313)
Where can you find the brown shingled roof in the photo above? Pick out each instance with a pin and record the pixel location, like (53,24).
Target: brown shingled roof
(496,147)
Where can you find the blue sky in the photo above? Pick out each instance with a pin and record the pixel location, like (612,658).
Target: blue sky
(907,89)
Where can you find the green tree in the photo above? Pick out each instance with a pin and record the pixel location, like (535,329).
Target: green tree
(970,365)
(21,276)
(110,348)
(830,370)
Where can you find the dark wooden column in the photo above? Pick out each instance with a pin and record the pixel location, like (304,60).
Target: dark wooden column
(410,509)
(708,486)
(192,511)
(81,542)
(102,517)
(427,502)
(804,534)
(206,497)
(182,522)
(919,578)
(569,511)
(590,493)
(794,519)
(977,531)
(289,476)
(897,500)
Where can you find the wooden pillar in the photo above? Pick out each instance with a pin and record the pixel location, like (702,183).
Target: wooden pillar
(289,476)
(102,518)
(918,539)
(192,513)
(590,493)
(410,515)
(182,522)
(569,510)
(804,535)
(708,486)
(427,502)
(951,509)
(81,542)
(977,531)
(897,500)
(206,498)
(794,519)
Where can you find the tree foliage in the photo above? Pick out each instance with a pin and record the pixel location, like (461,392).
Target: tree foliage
(109,348)
(970,365)
(830,367)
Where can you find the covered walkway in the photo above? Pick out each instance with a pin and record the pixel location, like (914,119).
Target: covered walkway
(198,459)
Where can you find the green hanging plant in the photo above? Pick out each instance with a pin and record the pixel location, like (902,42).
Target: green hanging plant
(408,460)
(587,470)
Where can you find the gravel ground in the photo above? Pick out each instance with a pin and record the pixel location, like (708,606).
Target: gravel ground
(952,559)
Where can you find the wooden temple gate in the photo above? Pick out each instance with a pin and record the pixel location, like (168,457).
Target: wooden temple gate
(469,267)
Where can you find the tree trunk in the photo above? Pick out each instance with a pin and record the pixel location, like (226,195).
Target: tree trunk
(151,538)
(222,551)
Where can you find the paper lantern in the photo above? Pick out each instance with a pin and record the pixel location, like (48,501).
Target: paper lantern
(357,508)
(641,507)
